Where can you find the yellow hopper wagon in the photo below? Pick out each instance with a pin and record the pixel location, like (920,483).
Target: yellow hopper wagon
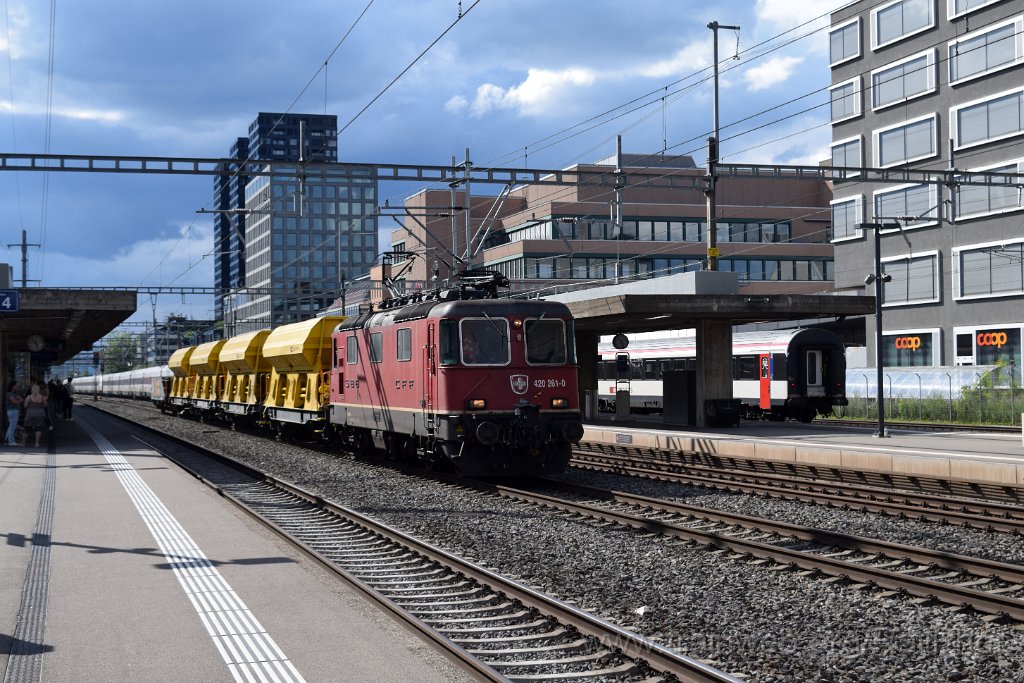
(183,380)
(299,356)
(246,374)
(205,366)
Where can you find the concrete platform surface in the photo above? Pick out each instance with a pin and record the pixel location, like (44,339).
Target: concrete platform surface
(119,566)
(988,458)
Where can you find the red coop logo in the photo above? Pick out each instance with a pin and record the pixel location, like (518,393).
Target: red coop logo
(996,339)
(912,343)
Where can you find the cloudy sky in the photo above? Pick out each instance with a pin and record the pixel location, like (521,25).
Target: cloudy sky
(524,83)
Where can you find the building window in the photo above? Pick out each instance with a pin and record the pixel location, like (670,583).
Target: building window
(845,100)
(918,201)
(903,80)
(847,153)
(993,118)
(909,348)
(909,141)
(915,279)
(844,42)
(900,19)
(982,52)
(997,345)
(973,201)
(959,8)
(846,215)
(989,270)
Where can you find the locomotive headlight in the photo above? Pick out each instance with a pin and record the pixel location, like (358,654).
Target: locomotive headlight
(477,404)
(559,403)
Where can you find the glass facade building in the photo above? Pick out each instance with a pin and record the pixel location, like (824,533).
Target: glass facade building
(286,239)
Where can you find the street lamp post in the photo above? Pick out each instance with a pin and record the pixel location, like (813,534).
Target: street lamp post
(879,279)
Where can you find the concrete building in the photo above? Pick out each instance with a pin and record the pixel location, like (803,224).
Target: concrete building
(545,238)
(932,84)
(302,233)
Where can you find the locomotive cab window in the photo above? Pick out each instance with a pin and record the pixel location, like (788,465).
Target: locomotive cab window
(545,342)
(449,342)
(351,350)
(485,341)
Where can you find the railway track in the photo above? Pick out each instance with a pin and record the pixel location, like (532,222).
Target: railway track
(496,627)
(972,513)
(993,588)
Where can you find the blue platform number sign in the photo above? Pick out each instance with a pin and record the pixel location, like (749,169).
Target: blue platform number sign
(9,301)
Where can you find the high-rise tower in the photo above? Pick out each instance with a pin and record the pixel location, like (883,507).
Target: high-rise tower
(289,237)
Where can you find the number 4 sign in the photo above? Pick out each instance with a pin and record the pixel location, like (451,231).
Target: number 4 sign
(9,301)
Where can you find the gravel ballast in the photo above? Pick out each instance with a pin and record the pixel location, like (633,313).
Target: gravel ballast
(768,625)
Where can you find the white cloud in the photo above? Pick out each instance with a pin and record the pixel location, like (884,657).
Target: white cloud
(802,141)
(180,259)
(687,60)
(782,15)
(183,258)
(541,90)
(456,104)
(770,73)
(788,13)
(34,109)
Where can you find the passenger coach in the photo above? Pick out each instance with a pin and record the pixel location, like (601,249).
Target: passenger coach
(795,374)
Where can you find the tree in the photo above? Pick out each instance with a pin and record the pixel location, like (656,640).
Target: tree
(120,352)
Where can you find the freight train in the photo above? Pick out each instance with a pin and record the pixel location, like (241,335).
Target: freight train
(795,374)
(454,377)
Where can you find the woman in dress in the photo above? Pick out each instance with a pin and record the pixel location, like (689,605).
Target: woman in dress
(36,415)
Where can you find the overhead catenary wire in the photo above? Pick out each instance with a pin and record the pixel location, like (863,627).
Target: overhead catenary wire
(527,146)
(775,107)
(13,117)
(47,136)
(533,146)
(461,16)
(249,158)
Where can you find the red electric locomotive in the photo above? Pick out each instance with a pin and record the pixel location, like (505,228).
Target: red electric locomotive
(460,376)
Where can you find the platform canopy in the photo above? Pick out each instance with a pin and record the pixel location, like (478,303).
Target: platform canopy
(650,312)
(67,320)
(682,300)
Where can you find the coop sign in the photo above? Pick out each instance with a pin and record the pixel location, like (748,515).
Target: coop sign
(996,339)
(912,343)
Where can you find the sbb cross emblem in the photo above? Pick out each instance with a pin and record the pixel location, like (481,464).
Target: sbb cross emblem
(520,383)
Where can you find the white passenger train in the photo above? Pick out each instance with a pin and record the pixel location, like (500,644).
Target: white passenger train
(146,383)
(783,374)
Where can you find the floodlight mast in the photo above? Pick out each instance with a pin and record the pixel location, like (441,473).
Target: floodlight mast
(879,279)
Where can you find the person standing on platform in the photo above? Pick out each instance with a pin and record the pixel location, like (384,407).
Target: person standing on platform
(36,414)
(53,392)
(69,398)
(14,401)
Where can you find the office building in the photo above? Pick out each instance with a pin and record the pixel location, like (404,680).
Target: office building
(550,238)
(932,85)
(301,233)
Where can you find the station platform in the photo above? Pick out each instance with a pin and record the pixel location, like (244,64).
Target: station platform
(117,565)
(987,458)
